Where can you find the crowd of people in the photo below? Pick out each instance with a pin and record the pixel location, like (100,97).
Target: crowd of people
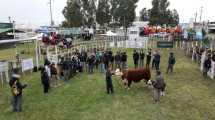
(138,58)
(104,61)
(197,55)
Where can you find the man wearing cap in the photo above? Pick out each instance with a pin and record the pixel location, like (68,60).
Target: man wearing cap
(16,90)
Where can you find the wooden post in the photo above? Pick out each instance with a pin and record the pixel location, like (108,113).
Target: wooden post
(37,54)
(47,51)
(2,79)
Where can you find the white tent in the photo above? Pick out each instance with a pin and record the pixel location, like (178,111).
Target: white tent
(110,33)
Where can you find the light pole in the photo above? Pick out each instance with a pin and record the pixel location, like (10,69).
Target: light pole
(50,8)
(14,36)
(201,11)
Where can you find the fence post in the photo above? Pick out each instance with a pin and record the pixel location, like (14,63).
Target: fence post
(2,79)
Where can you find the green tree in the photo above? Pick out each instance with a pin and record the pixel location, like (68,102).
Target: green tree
(89,11)
(103,13)
(163,11)
(125,12)
(73,14)
(144,15)
(113,9)
(175,18)
(161,15)
(154,15)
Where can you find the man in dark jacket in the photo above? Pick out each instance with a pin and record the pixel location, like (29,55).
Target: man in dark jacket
(91,62)
(142,56)
(111,57)
(136,58)
(159,86)
(157,60)
(124,60)
(148,58)
(117,60)
(109,84)
(102,64)
(153,59)
(45,80)
(207,66)
(84,54)
(106,60)
(171,63)
(66,72)
(16,90)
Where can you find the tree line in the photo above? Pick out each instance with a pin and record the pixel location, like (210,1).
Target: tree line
(116,13)
(159,14)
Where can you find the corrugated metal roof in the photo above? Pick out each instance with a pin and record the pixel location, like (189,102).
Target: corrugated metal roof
(5,30)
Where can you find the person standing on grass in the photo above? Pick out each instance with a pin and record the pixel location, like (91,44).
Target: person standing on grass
(157,60)
(45,80)
(109,84)
(158,85)
(111,59)
(102,62)
(206,66)
(91,62)
(16,90)
(153,59)
(117,60)
(136,58)
(97,59)
(106,59)
(66,69)
(84,54)
(82,59)
(124,60)
(171,63)
(142,56)
(148,58)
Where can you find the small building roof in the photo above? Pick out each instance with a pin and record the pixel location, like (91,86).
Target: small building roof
(7,30)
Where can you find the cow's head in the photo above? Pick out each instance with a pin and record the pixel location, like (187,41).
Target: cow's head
(147,74)
(118,72)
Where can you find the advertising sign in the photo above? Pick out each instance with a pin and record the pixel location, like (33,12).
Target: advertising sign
(164,44)
(27,64)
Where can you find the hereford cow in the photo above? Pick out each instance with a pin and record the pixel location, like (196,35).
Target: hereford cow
(135,75)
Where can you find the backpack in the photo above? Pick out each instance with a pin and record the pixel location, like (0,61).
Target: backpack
(14,89)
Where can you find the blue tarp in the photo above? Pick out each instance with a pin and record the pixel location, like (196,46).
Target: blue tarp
(199,35)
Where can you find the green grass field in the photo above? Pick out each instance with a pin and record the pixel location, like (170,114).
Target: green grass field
(188,97)
(10,53)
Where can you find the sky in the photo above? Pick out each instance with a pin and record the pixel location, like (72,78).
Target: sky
(36,12)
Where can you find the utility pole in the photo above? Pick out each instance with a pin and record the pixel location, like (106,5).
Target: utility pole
(125,28)
(14,37)
(196,14)
(50,7)
(201,11)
